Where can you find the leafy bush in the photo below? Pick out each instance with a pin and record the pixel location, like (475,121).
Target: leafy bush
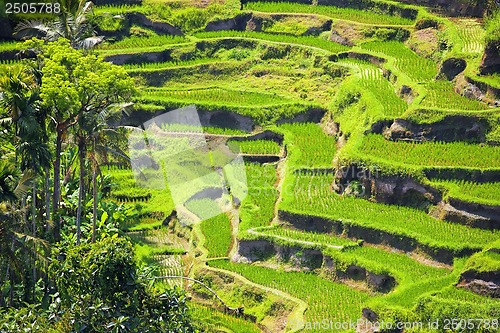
(26,319)
(107,22)
(239,54)
(426,23)
(99,291)
(385,34)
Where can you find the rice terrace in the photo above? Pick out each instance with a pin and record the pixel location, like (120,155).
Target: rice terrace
(250,166)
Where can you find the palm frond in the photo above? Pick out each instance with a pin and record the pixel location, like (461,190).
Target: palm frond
(82,13)
(6,121)
(132,128)
(24,184)
(32,28)
(8,174)
(122,107)
(112,112)
(90,42)
(115,151)
(30,240)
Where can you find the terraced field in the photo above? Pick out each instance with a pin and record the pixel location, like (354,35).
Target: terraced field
(441,94)
(334,217)
(487,193)
(437,154)
(329,11)
(472,35)
(417,68)
(312,195)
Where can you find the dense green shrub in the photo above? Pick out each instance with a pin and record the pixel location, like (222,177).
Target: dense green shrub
(190,19)
(26,319)
(384,34)
(99,291)
(426,23)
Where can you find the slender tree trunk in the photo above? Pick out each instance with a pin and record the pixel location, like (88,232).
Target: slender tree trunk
(33,208)
(34,234)
(11,289)
(24,212)
(94,208)
(47,199)
(2,299)
(57,187)
(11,279)
(81,193)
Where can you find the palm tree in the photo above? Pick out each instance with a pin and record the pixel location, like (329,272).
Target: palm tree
(16,85)
(12,236)
(96,139)
(104,140)
(82,145)
(71,23)
(7,176)
(35,157)
(19,97)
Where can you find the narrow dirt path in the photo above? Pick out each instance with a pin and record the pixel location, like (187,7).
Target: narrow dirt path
(280,178)
(297,314)
(235,227)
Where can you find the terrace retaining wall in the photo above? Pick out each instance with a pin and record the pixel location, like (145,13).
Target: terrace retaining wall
(157,78)
(484,87)
(402,190)
(307,259)
(457,173)
(451,67)
(490,63)
(312,115)
(139,58)
(264,135)
(377,282)
(471,214)
(158,27)
(371,235)
(208,118)
(409,192)
(239,22)
(222,118)
(483,283)
(450,129)
(261,158)
(377,61)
